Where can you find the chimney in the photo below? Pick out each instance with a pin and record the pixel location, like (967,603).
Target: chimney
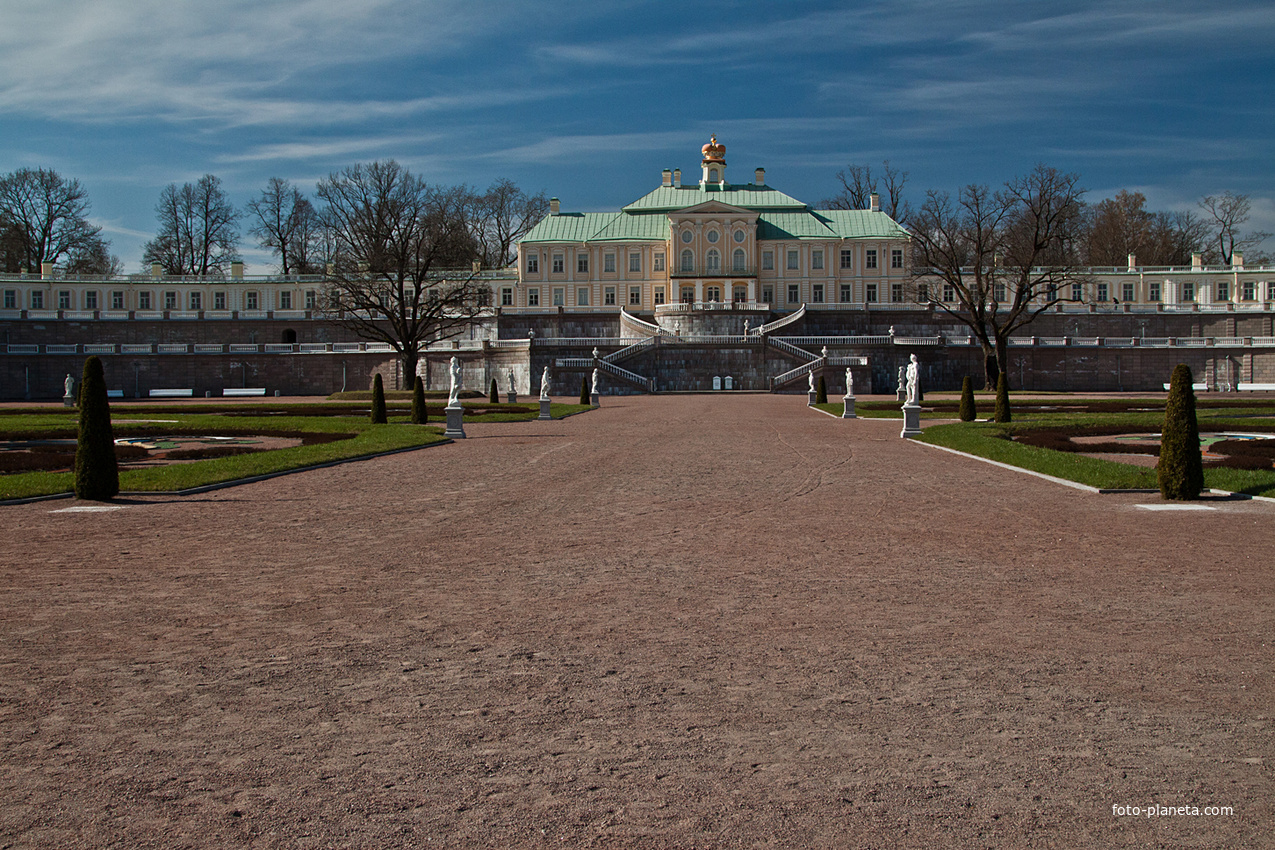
(236,270)
(553,206)
(677,177)
(1197,261)
(874,202)
(759,177)
(1237,260)
(157,270)
(1133,262)
(666,177)
(46,270)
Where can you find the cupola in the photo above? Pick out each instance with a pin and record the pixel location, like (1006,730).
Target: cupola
(714,163)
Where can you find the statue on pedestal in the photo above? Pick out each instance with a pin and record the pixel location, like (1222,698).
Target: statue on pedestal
(69,387)
(453,392)
(849,382)
(512,388)
(914,382)
(810,380)
(544,385)
(595,382)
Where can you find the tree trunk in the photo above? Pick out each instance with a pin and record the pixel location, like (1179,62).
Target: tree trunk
(991,371)
(409,360)
(1002,356)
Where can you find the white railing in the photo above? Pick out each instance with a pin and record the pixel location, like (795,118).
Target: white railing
(574,362)
(880,339)
(60,349)
(639,327)
(918,340)
(172,348)
(510,343)
(243,348)
(630,350)
(99,348)
(314,347)
(792,375)
(23,349)
(135,348)
(790,348)
(79,315)
(847,360)
(780,323)
(209,348)
(632,377)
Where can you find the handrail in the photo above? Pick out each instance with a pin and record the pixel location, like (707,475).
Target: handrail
(792,375)
(790,348)
(780,323)
(631,377)
(628,351)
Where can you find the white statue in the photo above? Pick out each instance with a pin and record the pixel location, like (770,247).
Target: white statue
(810,379)
(903,379)
(891,330)
(453,393)
(823,352)
(595,382)
(914,382)
(595,352)
(544,385)
(512,388)
(849,383)
(69,386)
(745,327)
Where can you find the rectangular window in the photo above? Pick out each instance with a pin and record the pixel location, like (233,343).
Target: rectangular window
(1077,292)
(768,295)
(310,299)
(219,301)
(768,260)
(816,259)
(64,299)
(847,293)
(90,300)
(196,301)
(1001,295)
(1102,292)
(250,301)
(285,300)
(896,293)
(1270,291)
(1223,291)
(896,258)
(11,299)
(582,263)
(1126,292)
(870,293)
(1249,292)
(1188,292)
(608,295)
(37,300)
(117,300)
(635,296)
(949,293)
(559,296)
(870,260)
(143,300)
(658,264)
(558,265)
(923,293)
(506,296)
(170,300)
(847,258)
(533,297)
(533,264)
(792,260)
(608,263)
(1153,292)
(635,261)
(816,293)
(794,293)
(582,296)
(659,295)
(688,295)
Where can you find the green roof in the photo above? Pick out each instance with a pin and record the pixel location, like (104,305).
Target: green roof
(747,195)
(862,224)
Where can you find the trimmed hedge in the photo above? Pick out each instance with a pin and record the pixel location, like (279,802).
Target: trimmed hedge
(1180,471)
(97,474)
(420,413)
(968,409)
(379,416)
(1003,413)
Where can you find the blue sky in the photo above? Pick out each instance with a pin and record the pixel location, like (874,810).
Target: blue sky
(588,100)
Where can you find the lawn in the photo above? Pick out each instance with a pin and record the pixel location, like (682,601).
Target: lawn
(356,438)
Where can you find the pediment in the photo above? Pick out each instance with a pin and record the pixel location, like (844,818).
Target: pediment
(711,208)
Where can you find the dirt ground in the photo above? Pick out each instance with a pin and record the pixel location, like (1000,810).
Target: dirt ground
(686,621)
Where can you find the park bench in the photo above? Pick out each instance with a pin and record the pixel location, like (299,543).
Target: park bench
(1199,388)
(1243,386)
(169,393)
(114,393)
(231,392)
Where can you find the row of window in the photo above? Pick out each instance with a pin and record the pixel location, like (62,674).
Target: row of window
(145,300)
(713,260)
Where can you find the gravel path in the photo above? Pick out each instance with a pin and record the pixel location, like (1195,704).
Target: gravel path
(684,621)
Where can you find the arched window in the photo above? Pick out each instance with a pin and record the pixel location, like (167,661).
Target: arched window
(714,260)
(738,261)
(712,175)
(688,261)
(712,293)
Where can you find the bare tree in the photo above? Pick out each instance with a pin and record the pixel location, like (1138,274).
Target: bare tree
(858,185)
(1007,256)
(390,234)
(503,215)
(1226,214)
(197,229)
(283,220)
(44,217)
(1120,226)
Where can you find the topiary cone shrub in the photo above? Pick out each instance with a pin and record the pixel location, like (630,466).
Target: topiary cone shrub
(821,392)
(584,391)
(969,410)
(493,395)
(379,416)
(97,474)
(419,412)
(1180,470)
(1002,413)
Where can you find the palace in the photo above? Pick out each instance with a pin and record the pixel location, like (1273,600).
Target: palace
(693,286)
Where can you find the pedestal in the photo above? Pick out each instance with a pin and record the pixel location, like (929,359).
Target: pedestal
(810,401)
(594,399)
(544,410)
(911,420)
(901,395)
(455,423)
(68,401)
(511,398)
(848,413)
